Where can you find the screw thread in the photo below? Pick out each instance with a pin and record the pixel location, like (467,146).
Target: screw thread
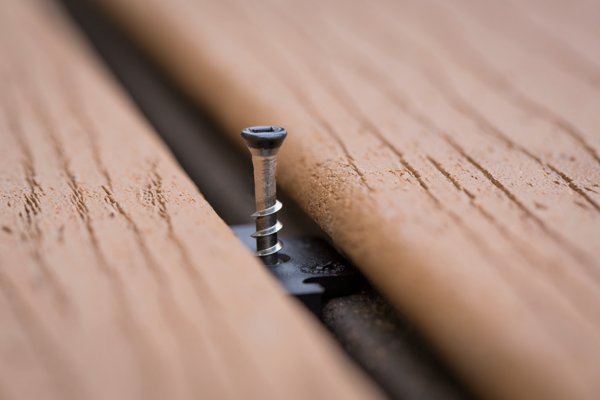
(267,227)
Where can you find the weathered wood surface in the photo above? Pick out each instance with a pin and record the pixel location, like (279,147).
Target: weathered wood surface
(117,279)
(451,149)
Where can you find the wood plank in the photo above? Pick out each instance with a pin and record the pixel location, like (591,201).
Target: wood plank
(452,150)
(117,279)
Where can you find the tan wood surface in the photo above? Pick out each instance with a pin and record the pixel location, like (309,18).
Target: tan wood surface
(452,149)
(117,279)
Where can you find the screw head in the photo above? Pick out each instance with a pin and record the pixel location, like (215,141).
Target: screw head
(266,137)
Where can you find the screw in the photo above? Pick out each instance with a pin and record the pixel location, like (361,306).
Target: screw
(263,143)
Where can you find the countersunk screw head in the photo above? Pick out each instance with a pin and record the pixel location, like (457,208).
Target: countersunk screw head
(264,137)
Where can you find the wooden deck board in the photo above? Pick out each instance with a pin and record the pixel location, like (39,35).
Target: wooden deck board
(117,279)
(452,150)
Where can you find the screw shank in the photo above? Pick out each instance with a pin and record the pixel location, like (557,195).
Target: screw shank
(265,189)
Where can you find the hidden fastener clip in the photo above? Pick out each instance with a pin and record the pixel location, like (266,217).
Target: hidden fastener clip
(311,269)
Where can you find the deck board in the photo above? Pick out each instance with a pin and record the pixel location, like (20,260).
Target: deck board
(117,279)
(450,149)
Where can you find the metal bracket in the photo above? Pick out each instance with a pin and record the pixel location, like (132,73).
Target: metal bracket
(309,268)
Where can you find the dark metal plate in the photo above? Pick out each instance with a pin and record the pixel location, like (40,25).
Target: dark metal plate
(309,268)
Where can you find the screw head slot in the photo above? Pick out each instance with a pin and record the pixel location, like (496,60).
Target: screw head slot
(264,137)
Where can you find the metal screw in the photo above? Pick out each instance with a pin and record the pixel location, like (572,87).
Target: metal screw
(263,143)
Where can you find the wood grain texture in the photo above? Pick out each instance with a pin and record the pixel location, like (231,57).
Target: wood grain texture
(451,149)
(117,279)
